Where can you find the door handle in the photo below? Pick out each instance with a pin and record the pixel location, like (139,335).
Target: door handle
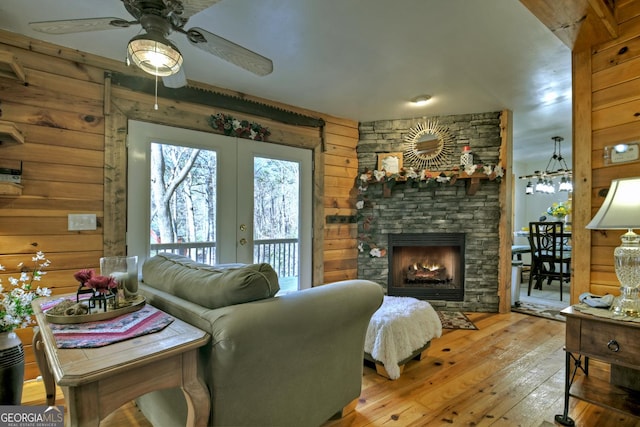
(243,241)
(243,227)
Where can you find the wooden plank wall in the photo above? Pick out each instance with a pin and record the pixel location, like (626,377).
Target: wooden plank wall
(59,111)
(615,79)
(73,163)
(606,102)
(341,170)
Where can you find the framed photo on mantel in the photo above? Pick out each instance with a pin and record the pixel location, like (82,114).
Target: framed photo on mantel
(390,162)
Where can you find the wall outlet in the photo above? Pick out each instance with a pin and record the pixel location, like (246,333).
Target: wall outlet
(77,222)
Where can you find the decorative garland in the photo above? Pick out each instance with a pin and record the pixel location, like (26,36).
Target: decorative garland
(239,128)
(411,176)
(365,215)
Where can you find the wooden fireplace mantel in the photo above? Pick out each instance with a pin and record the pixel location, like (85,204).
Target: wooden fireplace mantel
(472,181)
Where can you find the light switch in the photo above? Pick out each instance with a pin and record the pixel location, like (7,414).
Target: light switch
(77,222)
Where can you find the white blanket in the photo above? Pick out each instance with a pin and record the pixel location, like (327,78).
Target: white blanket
(399,327)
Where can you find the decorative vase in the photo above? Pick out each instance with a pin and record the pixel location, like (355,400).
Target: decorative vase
(125,270)
(11,368)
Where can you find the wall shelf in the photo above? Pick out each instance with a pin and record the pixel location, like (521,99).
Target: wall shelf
(10,189)
(10,67)
(9,133)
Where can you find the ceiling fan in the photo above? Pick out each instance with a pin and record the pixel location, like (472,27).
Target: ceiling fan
(152,51)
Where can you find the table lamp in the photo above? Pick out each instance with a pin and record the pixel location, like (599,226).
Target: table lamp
(621,210)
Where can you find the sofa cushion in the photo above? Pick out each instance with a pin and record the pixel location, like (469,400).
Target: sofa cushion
(210,286)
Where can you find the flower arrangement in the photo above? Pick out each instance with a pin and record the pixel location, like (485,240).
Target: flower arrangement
(83,276)
(559,210)
(238,128)
(100,284)
(15,305)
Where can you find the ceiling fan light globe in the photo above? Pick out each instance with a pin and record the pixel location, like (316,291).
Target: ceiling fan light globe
(155,55)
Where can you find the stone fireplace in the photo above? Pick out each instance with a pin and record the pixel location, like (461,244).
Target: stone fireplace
(434,210)
(427,266)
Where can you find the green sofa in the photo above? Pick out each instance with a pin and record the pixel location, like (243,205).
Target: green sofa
(286,360)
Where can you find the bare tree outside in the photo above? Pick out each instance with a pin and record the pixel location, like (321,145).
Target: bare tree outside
(276,199)
(170,168)
(183,206)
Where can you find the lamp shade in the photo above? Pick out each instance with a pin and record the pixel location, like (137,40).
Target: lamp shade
(621,207)
(154,54)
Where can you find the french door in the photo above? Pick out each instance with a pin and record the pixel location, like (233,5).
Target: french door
(220,200)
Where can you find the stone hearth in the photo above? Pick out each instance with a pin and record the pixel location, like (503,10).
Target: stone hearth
(438,208)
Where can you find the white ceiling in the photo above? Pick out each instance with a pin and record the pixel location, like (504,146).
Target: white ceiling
(364,59)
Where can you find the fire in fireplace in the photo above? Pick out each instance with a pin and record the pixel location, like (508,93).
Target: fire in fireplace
(427,265)
(427,272)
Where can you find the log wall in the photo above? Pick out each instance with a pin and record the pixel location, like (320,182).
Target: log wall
(615,118)
(74,161)
(604,37)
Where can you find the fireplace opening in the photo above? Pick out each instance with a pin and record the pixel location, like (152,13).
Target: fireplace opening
(427,266)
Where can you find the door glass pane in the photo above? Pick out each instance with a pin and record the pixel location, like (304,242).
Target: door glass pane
(276,217)
(183,201)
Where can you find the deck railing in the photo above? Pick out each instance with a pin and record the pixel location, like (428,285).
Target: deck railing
(204,252)
(281,254)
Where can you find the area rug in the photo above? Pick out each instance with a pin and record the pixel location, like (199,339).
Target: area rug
(540,310)
(98,334)
(455,320)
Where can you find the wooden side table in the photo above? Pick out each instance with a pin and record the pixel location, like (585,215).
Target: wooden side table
(96,381)
(611,341)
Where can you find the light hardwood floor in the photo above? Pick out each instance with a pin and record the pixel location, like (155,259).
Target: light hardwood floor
(509,372)
(549,294)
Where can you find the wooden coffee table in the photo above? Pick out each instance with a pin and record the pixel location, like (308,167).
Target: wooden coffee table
(97,381)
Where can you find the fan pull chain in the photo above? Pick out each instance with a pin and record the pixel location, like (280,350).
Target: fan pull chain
(155,106)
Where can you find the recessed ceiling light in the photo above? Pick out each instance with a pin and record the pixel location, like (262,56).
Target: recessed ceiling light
(421,99)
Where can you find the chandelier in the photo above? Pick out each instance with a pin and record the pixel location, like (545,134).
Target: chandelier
(557,169)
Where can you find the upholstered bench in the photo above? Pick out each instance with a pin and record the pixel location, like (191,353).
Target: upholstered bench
(399,331)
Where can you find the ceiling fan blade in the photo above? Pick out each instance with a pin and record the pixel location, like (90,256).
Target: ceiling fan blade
(191,7)
(176,80)
(229,51)
(67,26)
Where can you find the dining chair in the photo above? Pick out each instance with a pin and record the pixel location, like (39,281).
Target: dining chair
(550,254)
